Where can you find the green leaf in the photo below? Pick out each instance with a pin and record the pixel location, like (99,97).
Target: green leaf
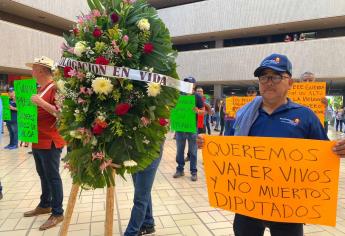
(91,5)
(98,5)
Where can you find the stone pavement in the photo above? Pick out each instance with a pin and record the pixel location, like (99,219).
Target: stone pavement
(180,205)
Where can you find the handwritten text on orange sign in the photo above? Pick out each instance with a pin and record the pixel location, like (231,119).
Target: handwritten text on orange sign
(277,179)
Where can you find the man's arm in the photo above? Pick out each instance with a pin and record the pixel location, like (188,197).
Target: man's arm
(45,105)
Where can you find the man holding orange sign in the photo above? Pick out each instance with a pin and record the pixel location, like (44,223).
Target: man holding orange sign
(274,115)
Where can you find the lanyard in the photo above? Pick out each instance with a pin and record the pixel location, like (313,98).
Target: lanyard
(46,90)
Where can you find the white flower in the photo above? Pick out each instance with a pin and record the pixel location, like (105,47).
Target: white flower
(130,163)
(143,24)
(153,89)
(101,118)
(72,133)
(79,48)
(89,75)
(146,141)
(102,85)
(94,141)
(76,111)
(61,86)
(75,134)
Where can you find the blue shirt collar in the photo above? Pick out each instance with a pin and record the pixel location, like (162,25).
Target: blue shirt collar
(289,105)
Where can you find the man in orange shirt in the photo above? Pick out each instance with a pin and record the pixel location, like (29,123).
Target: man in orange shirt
(48,150)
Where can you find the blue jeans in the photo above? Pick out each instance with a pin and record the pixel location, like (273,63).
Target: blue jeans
(47,166)
(181,138)
(217,119)
(228,127)
(12,127)
(141,214)
(248,226)
(207,123)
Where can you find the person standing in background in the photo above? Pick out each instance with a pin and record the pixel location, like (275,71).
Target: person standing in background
(222,116)
(310,77)
(182,137)
(217,114)
(12,125)
(206,115)
(339,119)
(251,91)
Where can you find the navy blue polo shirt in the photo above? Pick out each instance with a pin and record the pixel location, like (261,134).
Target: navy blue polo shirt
(13,113)
(290,120)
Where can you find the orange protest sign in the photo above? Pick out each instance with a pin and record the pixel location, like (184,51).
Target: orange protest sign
(276,179)
(233,104)
(310,94)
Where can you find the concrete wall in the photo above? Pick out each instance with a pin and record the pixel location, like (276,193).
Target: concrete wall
(324,57)
(20,45)
(67,9)
(225,15)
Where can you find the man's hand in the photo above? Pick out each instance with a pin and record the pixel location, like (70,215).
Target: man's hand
(13,108)
(44,105)
(324,101)
(37,100)
(199,111)
(200,141)
(339,148)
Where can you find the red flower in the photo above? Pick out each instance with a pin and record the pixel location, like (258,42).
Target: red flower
(102,60)
(114,18)
(97,33)
(163,122)
(148,48)
(76,31)
(122,109)
(97,129)
(67,69)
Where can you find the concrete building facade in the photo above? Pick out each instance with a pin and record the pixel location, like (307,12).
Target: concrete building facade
(220,42)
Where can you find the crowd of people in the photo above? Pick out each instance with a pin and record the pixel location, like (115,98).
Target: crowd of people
(295,37)
(261,117)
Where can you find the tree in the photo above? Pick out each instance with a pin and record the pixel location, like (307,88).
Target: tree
(337,102)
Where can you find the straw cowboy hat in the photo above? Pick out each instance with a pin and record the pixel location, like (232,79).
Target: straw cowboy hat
(42,61)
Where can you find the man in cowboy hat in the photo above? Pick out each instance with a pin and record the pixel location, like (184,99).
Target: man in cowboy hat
(48,149)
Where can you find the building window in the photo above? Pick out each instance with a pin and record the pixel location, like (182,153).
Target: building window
(195,46)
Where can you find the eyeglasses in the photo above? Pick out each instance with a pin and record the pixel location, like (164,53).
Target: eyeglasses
(276,79)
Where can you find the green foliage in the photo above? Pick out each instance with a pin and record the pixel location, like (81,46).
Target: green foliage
(124,137)
(338,102)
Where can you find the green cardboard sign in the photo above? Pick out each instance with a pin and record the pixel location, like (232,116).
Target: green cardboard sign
(183,116)
(27,111)
(6,112)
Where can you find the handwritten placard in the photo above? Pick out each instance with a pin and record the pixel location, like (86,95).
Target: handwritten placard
(183,116)
(27,111)
(6,112)
(276,179)
(233,104)
(310,94)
